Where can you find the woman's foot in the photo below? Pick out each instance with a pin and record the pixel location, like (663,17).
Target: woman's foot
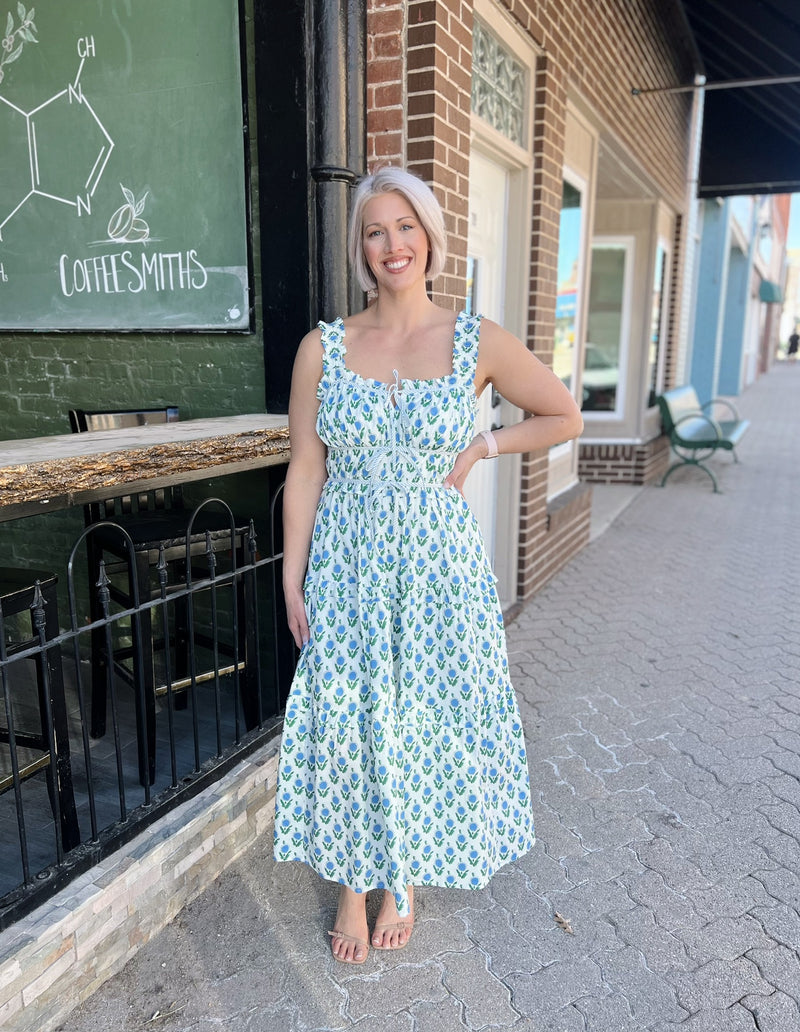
(350,935)
(392,931)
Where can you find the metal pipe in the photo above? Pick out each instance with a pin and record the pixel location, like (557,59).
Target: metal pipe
(338,29)
(729,84)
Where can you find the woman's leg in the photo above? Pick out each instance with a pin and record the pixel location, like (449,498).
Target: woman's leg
(351,922)
(391,930)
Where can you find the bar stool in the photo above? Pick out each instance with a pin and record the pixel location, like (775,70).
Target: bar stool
(33,590)
(156,522)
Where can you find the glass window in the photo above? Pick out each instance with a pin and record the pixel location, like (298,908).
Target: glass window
(498,85)
(472,285)
(570,236)
(604,328)
(656,324)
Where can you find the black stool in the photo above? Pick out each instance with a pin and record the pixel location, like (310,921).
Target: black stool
(18,593)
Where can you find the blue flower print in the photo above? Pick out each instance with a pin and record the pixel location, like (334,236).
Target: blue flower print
(402,760)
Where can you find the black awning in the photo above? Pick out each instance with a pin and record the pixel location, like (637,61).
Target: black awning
(751,134)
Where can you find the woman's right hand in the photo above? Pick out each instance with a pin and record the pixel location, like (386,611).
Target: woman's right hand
(296,614)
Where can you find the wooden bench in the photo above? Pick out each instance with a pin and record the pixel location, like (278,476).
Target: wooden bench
(694,434)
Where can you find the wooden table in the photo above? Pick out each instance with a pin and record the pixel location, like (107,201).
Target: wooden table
(40,474)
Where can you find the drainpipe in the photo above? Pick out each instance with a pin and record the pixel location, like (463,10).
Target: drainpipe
(690,236)
(337,143)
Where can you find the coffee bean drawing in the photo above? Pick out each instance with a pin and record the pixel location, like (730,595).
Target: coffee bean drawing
(125,225)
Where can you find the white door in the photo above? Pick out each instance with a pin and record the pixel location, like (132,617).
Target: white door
(486,249)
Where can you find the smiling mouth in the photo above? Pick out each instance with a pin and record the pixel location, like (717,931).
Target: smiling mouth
(397,265)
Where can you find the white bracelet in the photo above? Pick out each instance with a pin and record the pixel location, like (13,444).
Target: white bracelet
(491,444)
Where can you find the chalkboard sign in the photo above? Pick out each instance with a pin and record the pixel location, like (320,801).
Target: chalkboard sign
(122,166)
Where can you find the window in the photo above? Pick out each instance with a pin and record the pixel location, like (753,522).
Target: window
(657,315)
(570,241)
(562,470)
(498,85)
(606,326)
(473,287)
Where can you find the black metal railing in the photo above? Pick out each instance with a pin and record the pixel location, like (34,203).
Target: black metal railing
(193,677)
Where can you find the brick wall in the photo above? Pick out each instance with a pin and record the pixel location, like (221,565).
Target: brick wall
(418,111)
(604,48)
(386,82)
(624,463)
(539,542)
(596,51)
(439,63)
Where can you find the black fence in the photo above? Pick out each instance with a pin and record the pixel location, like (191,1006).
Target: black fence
(175,665)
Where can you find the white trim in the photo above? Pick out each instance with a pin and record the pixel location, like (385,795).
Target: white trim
(581,184)
(519,164)
(509,32)
(628,243)
(591,442)
(498,144)
(661,358)
(562,462)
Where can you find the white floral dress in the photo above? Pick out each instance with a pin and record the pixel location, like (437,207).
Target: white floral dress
(402,760)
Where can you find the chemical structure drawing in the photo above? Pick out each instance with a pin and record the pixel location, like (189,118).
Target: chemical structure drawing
(58,150)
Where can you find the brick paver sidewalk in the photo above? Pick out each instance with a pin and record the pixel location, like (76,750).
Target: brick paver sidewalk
(659,681)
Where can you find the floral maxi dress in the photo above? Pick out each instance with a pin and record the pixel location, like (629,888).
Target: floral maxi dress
(403,759)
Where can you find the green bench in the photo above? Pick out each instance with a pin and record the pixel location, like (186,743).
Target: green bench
(694,434)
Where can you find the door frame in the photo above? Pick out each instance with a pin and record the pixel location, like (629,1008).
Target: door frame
(519,165)
(562,464)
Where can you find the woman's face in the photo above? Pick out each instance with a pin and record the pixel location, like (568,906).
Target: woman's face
(395,245)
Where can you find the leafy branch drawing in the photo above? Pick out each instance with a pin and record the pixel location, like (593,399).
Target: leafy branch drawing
(125,224)
(15,39)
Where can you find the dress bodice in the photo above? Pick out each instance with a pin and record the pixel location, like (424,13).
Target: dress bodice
(405,430)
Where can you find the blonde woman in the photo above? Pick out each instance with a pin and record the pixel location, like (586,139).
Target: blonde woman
(402,762)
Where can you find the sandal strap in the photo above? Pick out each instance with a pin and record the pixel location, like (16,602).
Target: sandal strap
(399,926)
(347,938)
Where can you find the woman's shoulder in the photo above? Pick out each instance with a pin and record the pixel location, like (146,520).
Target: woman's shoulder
(310,352)
(490,328)
(312,341)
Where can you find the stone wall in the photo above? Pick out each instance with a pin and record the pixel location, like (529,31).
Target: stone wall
(55,958)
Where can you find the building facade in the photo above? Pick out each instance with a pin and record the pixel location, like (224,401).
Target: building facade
(739,292)
(566,201)
(565,198)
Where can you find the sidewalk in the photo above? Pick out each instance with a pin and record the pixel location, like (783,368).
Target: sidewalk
(659,682)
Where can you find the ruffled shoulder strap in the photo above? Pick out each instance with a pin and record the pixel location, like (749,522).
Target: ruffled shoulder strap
(333,350)
(465,346)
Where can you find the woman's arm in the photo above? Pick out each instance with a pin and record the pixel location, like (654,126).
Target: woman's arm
(304,480)
(522,379)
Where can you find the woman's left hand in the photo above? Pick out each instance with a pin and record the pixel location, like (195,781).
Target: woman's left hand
(465,460)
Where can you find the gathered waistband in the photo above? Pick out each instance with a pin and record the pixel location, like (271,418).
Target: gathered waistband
(395,466)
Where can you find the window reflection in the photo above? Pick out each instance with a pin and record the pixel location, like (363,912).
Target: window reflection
(569,251)
(472,285)
(656,321)
(604,328)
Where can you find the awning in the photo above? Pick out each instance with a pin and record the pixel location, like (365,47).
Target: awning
(751,134)
(770,292)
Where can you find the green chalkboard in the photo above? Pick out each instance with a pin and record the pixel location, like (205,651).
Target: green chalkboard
(122,166)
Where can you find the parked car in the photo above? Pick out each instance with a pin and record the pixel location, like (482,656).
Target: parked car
(600,379)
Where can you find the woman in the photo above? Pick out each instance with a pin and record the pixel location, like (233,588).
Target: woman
(402,761)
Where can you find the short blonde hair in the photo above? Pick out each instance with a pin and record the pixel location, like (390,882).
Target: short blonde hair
(427,209)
